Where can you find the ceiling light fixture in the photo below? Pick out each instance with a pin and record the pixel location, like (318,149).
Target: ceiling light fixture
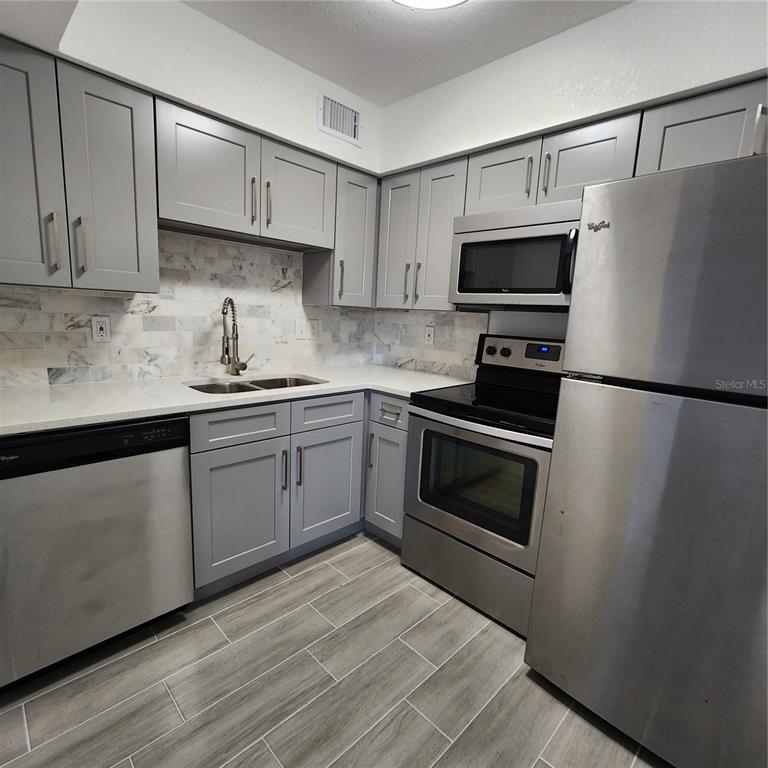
(429,5)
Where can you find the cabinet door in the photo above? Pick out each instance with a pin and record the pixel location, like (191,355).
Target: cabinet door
(108,135)
(386,478)
(441,198)
(327,478)
(240,507)
(589,155)
(354,258)
(503,178)
(704,129)
(207,171)
(298,198)
(33,247)
(397,240)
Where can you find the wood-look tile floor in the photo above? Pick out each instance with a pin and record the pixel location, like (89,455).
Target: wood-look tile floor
(344,659)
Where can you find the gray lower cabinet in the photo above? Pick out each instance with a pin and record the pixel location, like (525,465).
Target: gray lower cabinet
(503,178)
(34,249)
(207,171)
(240,507)
(326,481)
(441,198)
(385,486)
(298,195)
(397,240)
(108,139)
(596,153)
(704,129)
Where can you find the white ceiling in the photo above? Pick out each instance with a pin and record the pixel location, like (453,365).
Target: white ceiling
(383,51)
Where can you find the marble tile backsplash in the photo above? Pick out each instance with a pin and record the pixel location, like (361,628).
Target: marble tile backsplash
(45,333)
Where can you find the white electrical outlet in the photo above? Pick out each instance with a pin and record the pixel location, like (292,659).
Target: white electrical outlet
(301,328)
(313,329)
(429,335)
(100,329)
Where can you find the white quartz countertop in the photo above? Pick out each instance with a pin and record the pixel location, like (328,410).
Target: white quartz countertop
(34,409)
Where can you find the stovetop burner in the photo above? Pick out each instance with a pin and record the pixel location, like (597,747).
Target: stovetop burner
(517,386)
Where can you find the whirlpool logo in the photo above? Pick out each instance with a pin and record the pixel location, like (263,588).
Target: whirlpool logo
(592,227)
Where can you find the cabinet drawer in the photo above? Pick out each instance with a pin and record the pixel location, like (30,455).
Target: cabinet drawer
(219,429)
(390,410)
(326,411)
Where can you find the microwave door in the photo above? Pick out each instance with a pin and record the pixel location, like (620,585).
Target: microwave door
(527,265)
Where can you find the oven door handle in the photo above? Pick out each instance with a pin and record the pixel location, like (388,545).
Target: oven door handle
(536,441)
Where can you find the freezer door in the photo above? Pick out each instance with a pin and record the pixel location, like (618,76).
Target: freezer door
(670,279)
(649,603)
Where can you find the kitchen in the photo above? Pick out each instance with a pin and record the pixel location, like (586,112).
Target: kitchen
(409,411)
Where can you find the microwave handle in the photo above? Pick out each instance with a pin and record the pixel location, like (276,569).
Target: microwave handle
(570,257)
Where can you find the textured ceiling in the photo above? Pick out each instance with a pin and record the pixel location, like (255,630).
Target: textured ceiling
(383,51)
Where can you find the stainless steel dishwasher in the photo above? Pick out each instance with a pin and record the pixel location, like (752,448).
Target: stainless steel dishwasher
(95,537)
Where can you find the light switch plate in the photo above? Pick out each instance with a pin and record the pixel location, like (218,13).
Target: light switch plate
(313,329)
(429,335)
(100,329)
(301,328)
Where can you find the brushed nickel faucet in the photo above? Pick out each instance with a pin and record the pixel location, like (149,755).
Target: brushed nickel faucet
(230,354)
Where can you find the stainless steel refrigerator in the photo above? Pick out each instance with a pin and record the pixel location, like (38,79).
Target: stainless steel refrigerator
(649,604)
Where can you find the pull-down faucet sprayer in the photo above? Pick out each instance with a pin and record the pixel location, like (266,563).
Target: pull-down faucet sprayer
(230,355)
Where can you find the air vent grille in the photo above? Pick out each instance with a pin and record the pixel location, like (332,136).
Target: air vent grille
(339,119)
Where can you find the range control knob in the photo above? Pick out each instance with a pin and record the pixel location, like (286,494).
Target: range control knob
(490,350)
(506,352)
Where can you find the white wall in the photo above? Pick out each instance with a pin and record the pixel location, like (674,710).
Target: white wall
(171,48)
(642,51)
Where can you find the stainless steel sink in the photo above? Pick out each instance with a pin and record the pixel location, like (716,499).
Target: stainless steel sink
(232,387)
(285,381)
(224,387)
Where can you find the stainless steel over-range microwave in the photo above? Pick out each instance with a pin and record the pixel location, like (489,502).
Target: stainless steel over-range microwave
(518,258)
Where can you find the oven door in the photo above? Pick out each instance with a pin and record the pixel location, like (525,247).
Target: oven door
(530,265)
(480,488)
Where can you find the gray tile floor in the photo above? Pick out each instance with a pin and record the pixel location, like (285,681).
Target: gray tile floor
(344,659)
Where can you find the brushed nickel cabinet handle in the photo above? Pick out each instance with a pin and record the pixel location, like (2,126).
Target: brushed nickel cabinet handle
(529,176)
(370,451)
(285,469)
(405,285)
(547,164)
(385,412)
(341,278)
(761,112)
(254,199)
(55,254)
(83,248)
(416,295)
(300,473)
(269,203)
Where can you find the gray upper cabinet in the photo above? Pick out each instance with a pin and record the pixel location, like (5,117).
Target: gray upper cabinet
(397,240)
(34,249)
(207,171)
(355,254)
(326,481)
(298,195)
(503,178)
(240,507)
(108,138)
(441,198)
(385,488)
(705,129)
(573,159)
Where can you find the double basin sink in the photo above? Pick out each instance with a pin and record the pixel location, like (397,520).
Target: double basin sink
(232,387)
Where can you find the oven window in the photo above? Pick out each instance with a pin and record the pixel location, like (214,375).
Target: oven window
(527,265)
(489,488)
